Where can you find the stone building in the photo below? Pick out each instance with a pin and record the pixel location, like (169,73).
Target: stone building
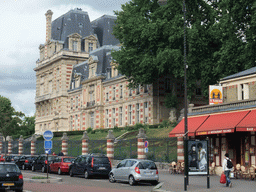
(230,126)
(78,86)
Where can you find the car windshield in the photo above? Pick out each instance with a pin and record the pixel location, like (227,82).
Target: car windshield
(50,158)
(68,160)
(100,160)
(147,165)
(8,168)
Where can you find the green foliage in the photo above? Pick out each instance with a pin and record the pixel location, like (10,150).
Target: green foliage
(138,126)
(171,101)
(93,132)
(116,129)
(166,123)
(152,40)
(89,130)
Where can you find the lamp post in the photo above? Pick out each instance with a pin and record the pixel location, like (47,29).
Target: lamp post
(185,104)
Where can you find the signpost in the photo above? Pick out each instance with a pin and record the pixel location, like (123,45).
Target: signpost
(146,146)
(48,135)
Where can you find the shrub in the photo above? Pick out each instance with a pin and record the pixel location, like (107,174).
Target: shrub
(165,123)
(89,130)
(93,132)
(116,129)
(138,126)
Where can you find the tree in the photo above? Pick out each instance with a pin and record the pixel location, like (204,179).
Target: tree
(152,40)
(9,118)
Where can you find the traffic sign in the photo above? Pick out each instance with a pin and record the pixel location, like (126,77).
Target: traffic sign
(48,151)
(146,150)
(48,144)
(146,143)
(48,135)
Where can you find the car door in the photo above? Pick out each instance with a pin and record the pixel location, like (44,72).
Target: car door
(127,169)
(119,170)
(75,164)
(53,165)
(81,165)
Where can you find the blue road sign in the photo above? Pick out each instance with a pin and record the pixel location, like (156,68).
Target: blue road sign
(48,144)
(48,135)
(48,151)
(146,150)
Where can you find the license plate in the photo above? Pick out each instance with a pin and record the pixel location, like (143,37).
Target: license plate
(8,184)
(102,168)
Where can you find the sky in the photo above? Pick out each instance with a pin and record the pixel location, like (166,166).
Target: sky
(22,31)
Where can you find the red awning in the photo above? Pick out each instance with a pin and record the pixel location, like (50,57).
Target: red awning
(248,123)
(221,123)
(193,124)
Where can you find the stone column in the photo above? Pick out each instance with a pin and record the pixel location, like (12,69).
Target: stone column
(33,145)
(141,146)
(10,145)
(85,139)
(21,145)
(110,145)
(48,15)
(1,143)
(180,149)
(64,144)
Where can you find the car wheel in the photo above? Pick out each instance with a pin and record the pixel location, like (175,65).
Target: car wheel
(43,169)
(132,180)
(23,167)
(71,172)
(154,182)
(111,178)
(86,175)
(33,168)
(59,171)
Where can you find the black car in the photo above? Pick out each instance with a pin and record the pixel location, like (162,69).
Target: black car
(10,177)
(40,163)
(12,158)
(25,161)
(89,165)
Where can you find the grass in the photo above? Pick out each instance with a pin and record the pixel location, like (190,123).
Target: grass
(38,177)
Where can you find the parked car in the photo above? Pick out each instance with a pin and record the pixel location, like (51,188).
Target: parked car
(25,161)
(12,158)
(2,158)
(61,164)
(90,165)
(10,177)
(40,163)
(134,170)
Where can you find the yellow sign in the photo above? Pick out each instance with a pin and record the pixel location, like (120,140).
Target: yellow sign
(215,94)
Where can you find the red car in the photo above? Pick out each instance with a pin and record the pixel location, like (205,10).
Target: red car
(61,164)
(2,158)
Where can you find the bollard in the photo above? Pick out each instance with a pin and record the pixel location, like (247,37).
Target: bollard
(65,144)
(85,139)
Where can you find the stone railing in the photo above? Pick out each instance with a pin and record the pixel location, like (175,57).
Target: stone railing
(43,97)
(244,104)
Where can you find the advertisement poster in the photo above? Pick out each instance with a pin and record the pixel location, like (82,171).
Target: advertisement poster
(215,94)
(197,157)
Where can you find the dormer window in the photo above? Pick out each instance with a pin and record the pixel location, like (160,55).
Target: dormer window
(74,45)
(90,48)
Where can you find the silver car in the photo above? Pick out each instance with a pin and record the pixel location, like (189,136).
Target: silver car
(134,170)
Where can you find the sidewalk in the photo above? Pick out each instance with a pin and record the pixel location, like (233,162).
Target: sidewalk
(175,182)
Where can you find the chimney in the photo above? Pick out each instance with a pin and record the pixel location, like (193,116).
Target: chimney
(48,15)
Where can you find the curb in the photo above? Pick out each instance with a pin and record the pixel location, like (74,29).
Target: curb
(52,180)
(158,188)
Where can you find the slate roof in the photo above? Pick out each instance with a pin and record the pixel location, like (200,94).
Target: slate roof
(104,58)
(103,27)
(74,21)
(241,74)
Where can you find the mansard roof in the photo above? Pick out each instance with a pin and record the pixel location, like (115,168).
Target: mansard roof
(103,58)
(247,72)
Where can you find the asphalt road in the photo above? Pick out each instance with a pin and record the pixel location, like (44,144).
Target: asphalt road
(79,183)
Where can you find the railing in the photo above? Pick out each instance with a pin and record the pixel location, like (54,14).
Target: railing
(43,97)
(223,107)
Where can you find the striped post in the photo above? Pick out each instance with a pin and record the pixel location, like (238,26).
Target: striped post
(1,143)
(21,145)
(64,144)
(10,145)
(141,146)
(110,145)
(180,149)
(33,145)
(85,139)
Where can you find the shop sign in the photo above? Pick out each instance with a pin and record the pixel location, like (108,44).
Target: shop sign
(215,94)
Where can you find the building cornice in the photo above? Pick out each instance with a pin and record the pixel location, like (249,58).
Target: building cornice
(93,79)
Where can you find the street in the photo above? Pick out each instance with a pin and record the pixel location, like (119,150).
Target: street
(171,183)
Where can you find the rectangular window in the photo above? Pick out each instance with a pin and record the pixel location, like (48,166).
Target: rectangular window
(50,86)
(145,88)
(58,85)
(130,92)
(145,112)
(113,117)
(41,89)
(121,91)
(92,120)
(138,90)
(106,96)
(114,93)
(76,102)
(90,48)
(120,116)
(74,45)
(71,122)
(137,112)
(76,120)
(71,103)
(107,118)
(130,114)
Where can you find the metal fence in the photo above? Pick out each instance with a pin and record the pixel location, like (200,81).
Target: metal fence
(125,149)
(27,147)
(97,146)
(74,148)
